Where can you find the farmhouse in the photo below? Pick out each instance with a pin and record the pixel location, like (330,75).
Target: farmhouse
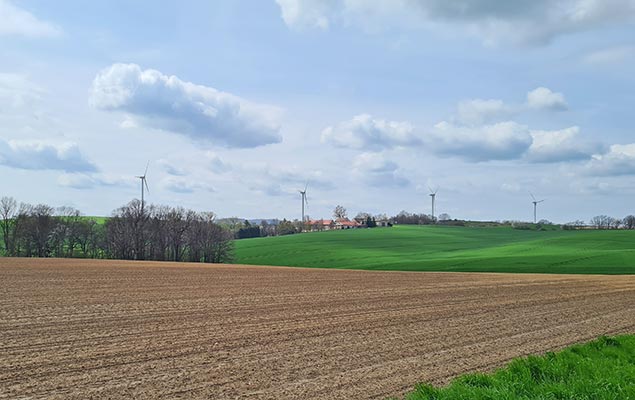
(330,224)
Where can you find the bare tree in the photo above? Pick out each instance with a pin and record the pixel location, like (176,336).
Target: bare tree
(444,217)
(629,222)
(601,222)
(339,212)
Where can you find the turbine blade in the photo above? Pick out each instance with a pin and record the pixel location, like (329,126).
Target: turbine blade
(306,185)
(146,183)
(532,196)
(146,171)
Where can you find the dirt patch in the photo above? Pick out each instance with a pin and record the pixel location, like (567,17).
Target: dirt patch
(77,329)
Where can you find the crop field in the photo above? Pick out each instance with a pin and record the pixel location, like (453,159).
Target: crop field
(81,329)
(437,248)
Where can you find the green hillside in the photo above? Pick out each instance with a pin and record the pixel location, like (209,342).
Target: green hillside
(603,369)
(436,248)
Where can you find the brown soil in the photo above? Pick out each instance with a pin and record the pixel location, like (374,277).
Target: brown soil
(77,329)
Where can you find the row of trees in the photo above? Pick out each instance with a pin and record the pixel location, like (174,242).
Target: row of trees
(134,232)
(607,222)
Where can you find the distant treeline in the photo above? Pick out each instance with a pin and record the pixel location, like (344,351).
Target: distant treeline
(133,232)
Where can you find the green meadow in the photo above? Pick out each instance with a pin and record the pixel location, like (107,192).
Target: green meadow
(600,370)
(439,248)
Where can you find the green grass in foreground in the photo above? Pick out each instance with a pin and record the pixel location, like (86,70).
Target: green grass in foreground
(437,248)
(603,369)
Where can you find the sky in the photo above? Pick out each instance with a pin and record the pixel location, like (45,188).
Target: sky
(237,104)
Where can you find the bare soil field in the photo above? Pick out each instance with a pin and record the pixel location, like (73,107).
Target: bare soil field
(81,329)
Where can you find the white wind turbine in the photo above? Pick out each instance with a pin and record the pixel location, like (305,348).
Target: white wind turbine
(535,203)
(433,196)
(144,186)
(305,202)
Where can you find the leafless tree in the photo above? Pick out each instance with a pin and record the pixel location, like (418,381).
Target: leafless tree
(339,212)
(629,222)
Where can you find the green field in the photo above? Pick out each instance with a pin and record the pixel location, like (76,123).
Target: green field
(437,248)
(603,369)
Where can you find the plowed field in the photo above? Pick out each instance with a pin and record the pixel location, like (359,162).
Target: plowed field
(78,329)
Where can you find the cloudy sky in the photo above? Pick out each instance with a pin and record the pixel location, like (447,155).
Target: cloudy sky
(237,103)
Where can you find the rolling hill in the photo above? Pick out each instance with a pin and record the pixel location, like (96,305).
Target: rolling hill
(436,248)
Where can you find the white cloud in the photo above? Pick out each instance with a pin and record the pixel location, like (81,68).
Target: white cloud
(216,164)
(518,22)
(560,145)
(365,132)
(611,55)
(78,180)
(618,161)
(376,171)
(19,22)
(543,98)
(17,91)
(38,155)
(185,185)
(305,13)
(202,113)
(500,141)
(478,111)
(171,169)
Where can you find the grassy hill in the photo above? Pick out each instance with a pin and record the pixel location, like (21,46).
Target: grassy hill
(436,248)
(601,370)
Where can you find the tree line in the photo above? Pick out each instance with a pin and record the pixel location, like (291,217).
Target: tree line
(134,231)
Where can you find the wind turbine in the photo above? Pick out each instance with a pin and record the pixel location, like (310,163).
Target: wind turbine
(304,200)
(535,202)
(433,195)
(144,182)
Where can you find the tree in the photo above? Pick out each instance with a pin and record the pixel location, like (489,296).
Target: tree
(601,222)
(629,222)
(444,217)
(339,212)
(8,209)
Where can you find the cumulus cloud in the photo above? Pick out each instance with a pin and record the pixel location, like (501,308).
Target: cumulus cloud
(202,113)
(560,145)
(367,133)
(500,141)
(37,155)
(617,161)
(543,98)
(19,22)
(519,22)
(478,111)
(376,171)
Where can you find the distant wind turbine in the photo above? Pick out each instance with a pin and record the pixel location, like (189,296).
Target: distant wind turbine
(144,185)
(433,195)
(304,200)
(535,203)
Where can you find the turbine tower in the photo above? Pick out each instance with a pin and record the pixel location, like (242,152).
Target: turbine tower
(535,203)
(144,185)
(433,195)
(304,200)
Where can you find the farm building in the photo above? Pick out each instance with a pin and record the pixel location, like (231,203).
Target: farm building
(330,224)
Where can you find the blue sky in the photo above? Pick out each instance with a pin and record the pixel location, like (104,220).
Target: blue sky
(238,103)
